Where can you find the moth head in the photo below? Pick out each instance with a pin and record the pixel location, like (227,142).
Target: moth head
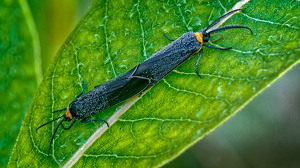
(206,36)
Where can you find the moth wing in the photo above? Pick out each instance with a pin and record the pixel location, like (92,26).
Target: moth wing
(121,80)
(133,86)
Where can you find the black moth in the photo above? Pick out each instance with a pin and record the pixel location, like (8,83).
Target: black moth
(140,78)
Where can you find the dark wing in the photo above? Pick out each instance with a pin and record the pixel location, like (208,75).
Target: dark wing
(134,86)
(123,87)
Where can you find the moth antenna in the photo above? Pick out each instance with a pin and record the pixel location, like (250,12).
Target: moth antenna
(220,18)
(231,27)
(209,46)
(49,122)
(54,135)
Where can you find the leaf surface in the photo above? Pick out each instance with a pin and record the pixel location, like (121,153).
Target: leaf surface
(113,37)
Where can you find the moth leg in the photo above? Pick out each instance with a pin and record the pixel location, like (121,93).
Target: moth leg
(96,119)
(209,46)
(200,53)
(68,126)
(144,78)
(84,87)
(168,38)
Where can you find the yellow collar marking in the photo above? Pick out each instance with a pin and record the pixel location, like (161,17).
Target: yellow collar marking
(199,37)
(68,114)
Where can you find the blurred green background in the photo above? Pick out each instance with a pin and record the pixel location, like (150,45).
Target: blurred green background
(264,134)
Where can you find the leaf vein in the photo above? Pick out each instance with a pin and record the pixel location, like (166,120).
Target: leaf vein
(273,23)
(131,156)
(163,120)
(106,38)
(181,14)
(187,91)
(222,6)
(142,29)
(217,76)
(31,135)
(77,64)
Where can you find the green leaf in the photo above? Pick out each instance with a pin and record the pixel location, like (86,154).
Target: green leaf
(19,71)
(113,37)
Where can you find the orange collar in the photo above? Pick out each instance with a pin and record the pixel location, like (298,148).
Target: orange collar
(68,114)
(199,37)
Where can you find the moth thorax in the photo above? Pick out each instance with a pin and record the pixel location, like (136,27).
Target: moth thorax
(199,37)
